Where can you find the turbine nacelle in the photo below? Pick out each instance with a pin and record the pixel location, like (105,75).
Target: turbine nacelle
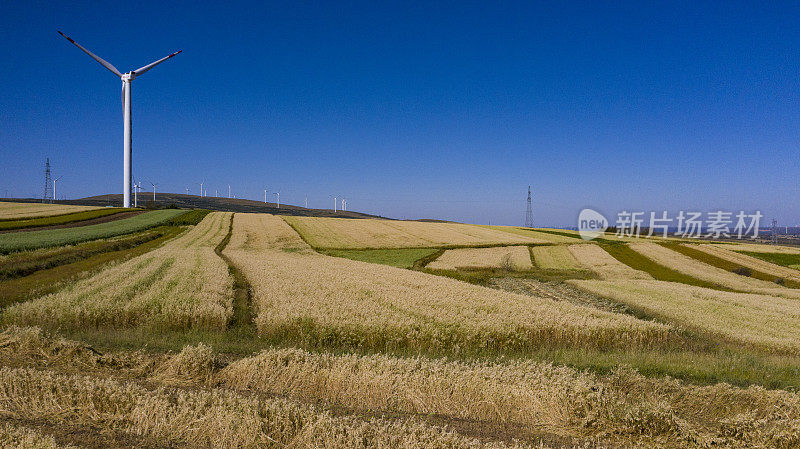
(130,76)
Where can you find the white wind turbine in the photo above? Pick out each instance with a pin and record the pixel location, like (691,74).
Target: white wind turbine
(55,198)
(127,79)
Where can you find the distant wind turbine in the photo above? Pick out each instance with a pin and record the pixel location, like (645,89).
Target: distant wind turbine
(55,198)
(127,79)
(201,188)
(154,189)
(278,195)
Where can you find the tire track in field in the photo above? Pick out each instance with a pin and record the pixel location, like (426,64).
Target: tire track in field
(243,319)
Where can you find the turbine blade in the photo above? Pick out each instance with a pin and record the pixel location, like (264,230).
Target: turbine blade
(103,62)
(141,70)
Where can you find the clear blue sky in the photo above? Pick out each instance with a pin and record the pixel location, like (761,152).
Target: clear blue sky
(445,110)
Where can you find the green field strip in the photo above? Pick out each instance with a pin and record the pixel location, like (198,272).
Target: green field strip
(785,260)
(53,220)
(26,263)
(20,241)
(397,257)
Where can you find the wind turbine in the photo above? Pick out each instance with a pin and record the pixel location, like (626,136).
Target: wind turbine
(127,79)
(154,190)
(278,195)
(201,188)
(55,198)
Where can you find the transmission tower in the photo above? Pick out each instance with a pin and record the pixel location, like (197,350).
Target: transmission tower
(48,183)
(529,212)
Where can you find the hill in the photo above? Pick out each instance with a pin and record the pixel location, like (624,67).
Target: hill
(184,201)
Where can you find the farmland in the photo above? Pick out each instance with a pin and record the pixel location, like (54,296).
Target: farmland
(223,329)
(380,307)
(770,321)
(183,284)
(21,211)
(714,275)
(30,240)
(373,233)
(513,258)
(555,257)
(594,258)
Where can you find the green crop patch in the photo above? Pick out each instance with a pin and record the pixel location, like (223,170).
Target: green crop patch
(21,241)
(401,257)
(52,220)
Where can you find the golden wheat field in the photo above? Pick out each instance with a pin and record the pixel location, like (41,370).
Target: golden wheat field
(15,211)
(537,234)
(691,267)
(182,284)
(516,258)
(382,307)
(557,257)
(596,259)
(763,320)
(374,233)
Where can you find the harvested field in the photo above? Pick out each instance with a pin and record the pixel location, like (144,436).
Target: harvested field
(314,300)
(182,284)
(30,240)
(761,320)
(343,233)
(556,257)
(726,279)
(512,258)
(191,399)
(530,395)
(205,418)
(17,211)
(594,258)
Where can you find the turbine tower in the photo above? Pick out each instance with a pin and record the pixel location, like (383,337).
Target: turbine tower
(127,79)
(529,212)
(55,198)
